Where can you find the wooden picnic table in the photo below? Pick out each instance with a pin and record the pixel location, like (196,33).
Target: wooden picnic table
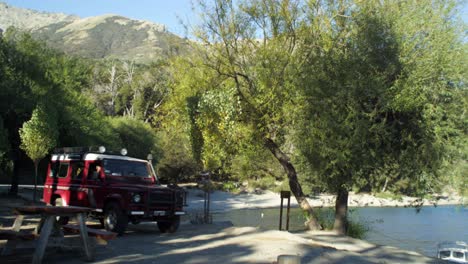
(47,225)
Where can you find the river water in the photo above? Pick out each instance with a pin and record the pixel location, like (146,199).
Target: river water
(406,228)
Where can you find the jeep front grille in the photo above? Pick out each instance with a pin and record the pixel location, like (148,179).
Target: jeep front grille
(173,198)
(179,198)
(161,198)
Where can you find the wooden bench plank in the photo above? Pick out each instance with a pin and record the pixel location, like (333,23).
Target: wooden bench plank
(102,234)
(51,210)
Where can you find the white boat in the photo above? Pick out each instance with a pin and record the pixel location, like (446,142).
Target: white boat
(456,252)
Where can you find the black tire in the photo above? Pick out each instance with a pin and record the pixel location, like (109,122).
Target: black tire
(62,220)
(169,226)
(115,219)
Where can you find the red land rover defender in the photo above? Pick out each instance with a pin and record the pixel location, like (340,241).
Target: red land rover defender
(120,188)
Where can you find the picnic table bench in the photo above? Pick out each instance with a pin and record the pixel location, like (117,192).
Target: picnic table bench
(14,235)
(101,236)
(47,225)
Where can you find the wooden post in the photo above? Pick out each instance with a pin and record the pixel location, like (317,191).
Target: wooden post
(285,195)
(281,214)
(287,214)
(43,239)
(84,237)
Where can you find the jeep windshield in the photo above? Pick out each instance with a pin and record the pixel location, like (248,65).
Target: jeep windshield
(127,168)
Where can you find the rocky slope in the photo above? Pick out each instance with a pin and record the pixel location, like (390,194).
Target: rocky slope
(106,36)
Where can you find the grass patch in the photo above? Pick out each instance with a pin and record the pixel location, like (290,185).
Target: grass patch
(326,218)
(390,196)
(265,183)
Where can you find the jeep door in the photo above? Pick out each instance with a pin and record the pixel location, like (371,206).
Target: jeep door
(94,184)
(57,183)
(60,183)
(77,192)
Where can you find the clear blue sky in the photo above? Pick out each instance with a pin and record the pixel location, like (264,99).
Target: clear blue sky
(159,11)
(167,12)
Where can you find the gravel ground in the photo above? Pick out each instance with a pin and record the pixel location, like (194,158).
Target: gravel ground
(222,243)
(218,242)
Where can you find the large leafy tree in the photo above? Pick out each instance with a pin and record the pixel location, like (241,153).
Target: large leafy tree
(32,73)
(252,50)
(136,136)
(383,91)
(17,72)
(4,149)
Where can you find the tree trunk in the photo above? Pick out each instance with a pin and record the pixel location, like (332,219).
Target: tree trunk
(294,184)
(36,164)
(341,212)
(15,178)
(385,185)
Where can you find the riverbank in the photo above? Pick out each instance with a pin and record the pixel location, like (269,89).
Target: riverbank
(221,242)
(224,201)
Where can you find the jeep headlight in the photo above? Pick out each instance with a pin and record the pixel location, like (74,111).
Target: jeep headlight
(136,198)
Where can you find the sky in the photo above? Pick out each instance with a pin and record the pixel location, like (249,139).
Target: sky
(167,12)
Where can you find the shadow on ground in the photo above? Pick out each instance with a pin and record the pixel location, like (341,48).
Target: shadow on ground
(218,243)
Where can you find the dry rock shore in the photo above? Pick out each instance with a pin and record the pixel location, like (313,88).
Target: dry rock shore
(224,201)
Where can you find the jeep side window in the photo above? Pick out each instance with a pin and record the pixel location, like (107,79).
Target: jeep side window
(126,168)
(63,170)
(94,172)
(112,168)
(53,169)
(77,170)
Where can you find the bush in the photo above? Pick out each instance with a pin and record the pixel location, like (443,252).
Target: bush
(264,183)
(357,229)
(326,218)
(229,186)
(284,186)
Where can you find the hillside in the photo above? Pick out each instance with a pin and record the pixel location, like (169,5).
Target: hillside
(106,36)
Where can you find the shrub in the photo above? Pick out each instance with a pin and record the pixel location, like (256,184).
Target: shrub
(284,186)
(326,218)
(229,186)
(264,183)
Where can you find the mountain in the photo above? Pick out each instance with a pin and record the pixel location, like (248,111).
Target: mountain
(106,36)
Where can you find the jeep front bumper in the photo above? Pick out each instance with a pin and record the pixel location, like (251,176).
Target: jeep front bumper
(156,213)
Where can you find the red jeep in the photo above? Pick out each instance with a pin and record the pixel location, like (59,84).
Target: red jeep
(120,188)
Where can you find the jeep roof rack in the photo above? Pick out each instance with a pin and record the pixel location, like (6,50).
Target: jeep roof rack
(84,150)
(71,150)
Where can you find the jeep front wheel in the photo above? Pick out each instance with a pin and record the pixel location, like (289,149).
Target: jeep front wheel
(169,226)
(115,219)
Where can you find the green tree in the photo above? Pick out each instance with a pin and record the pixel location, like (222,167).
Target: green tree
(136,136)
(252,49)
(17,74)
(38,137)
(382,90)
(31,73)
(4,150)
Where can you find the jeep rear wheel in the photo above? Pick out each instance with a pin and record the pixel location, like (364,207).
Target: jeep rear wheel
(62,220)
(115,219)
(169,226)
